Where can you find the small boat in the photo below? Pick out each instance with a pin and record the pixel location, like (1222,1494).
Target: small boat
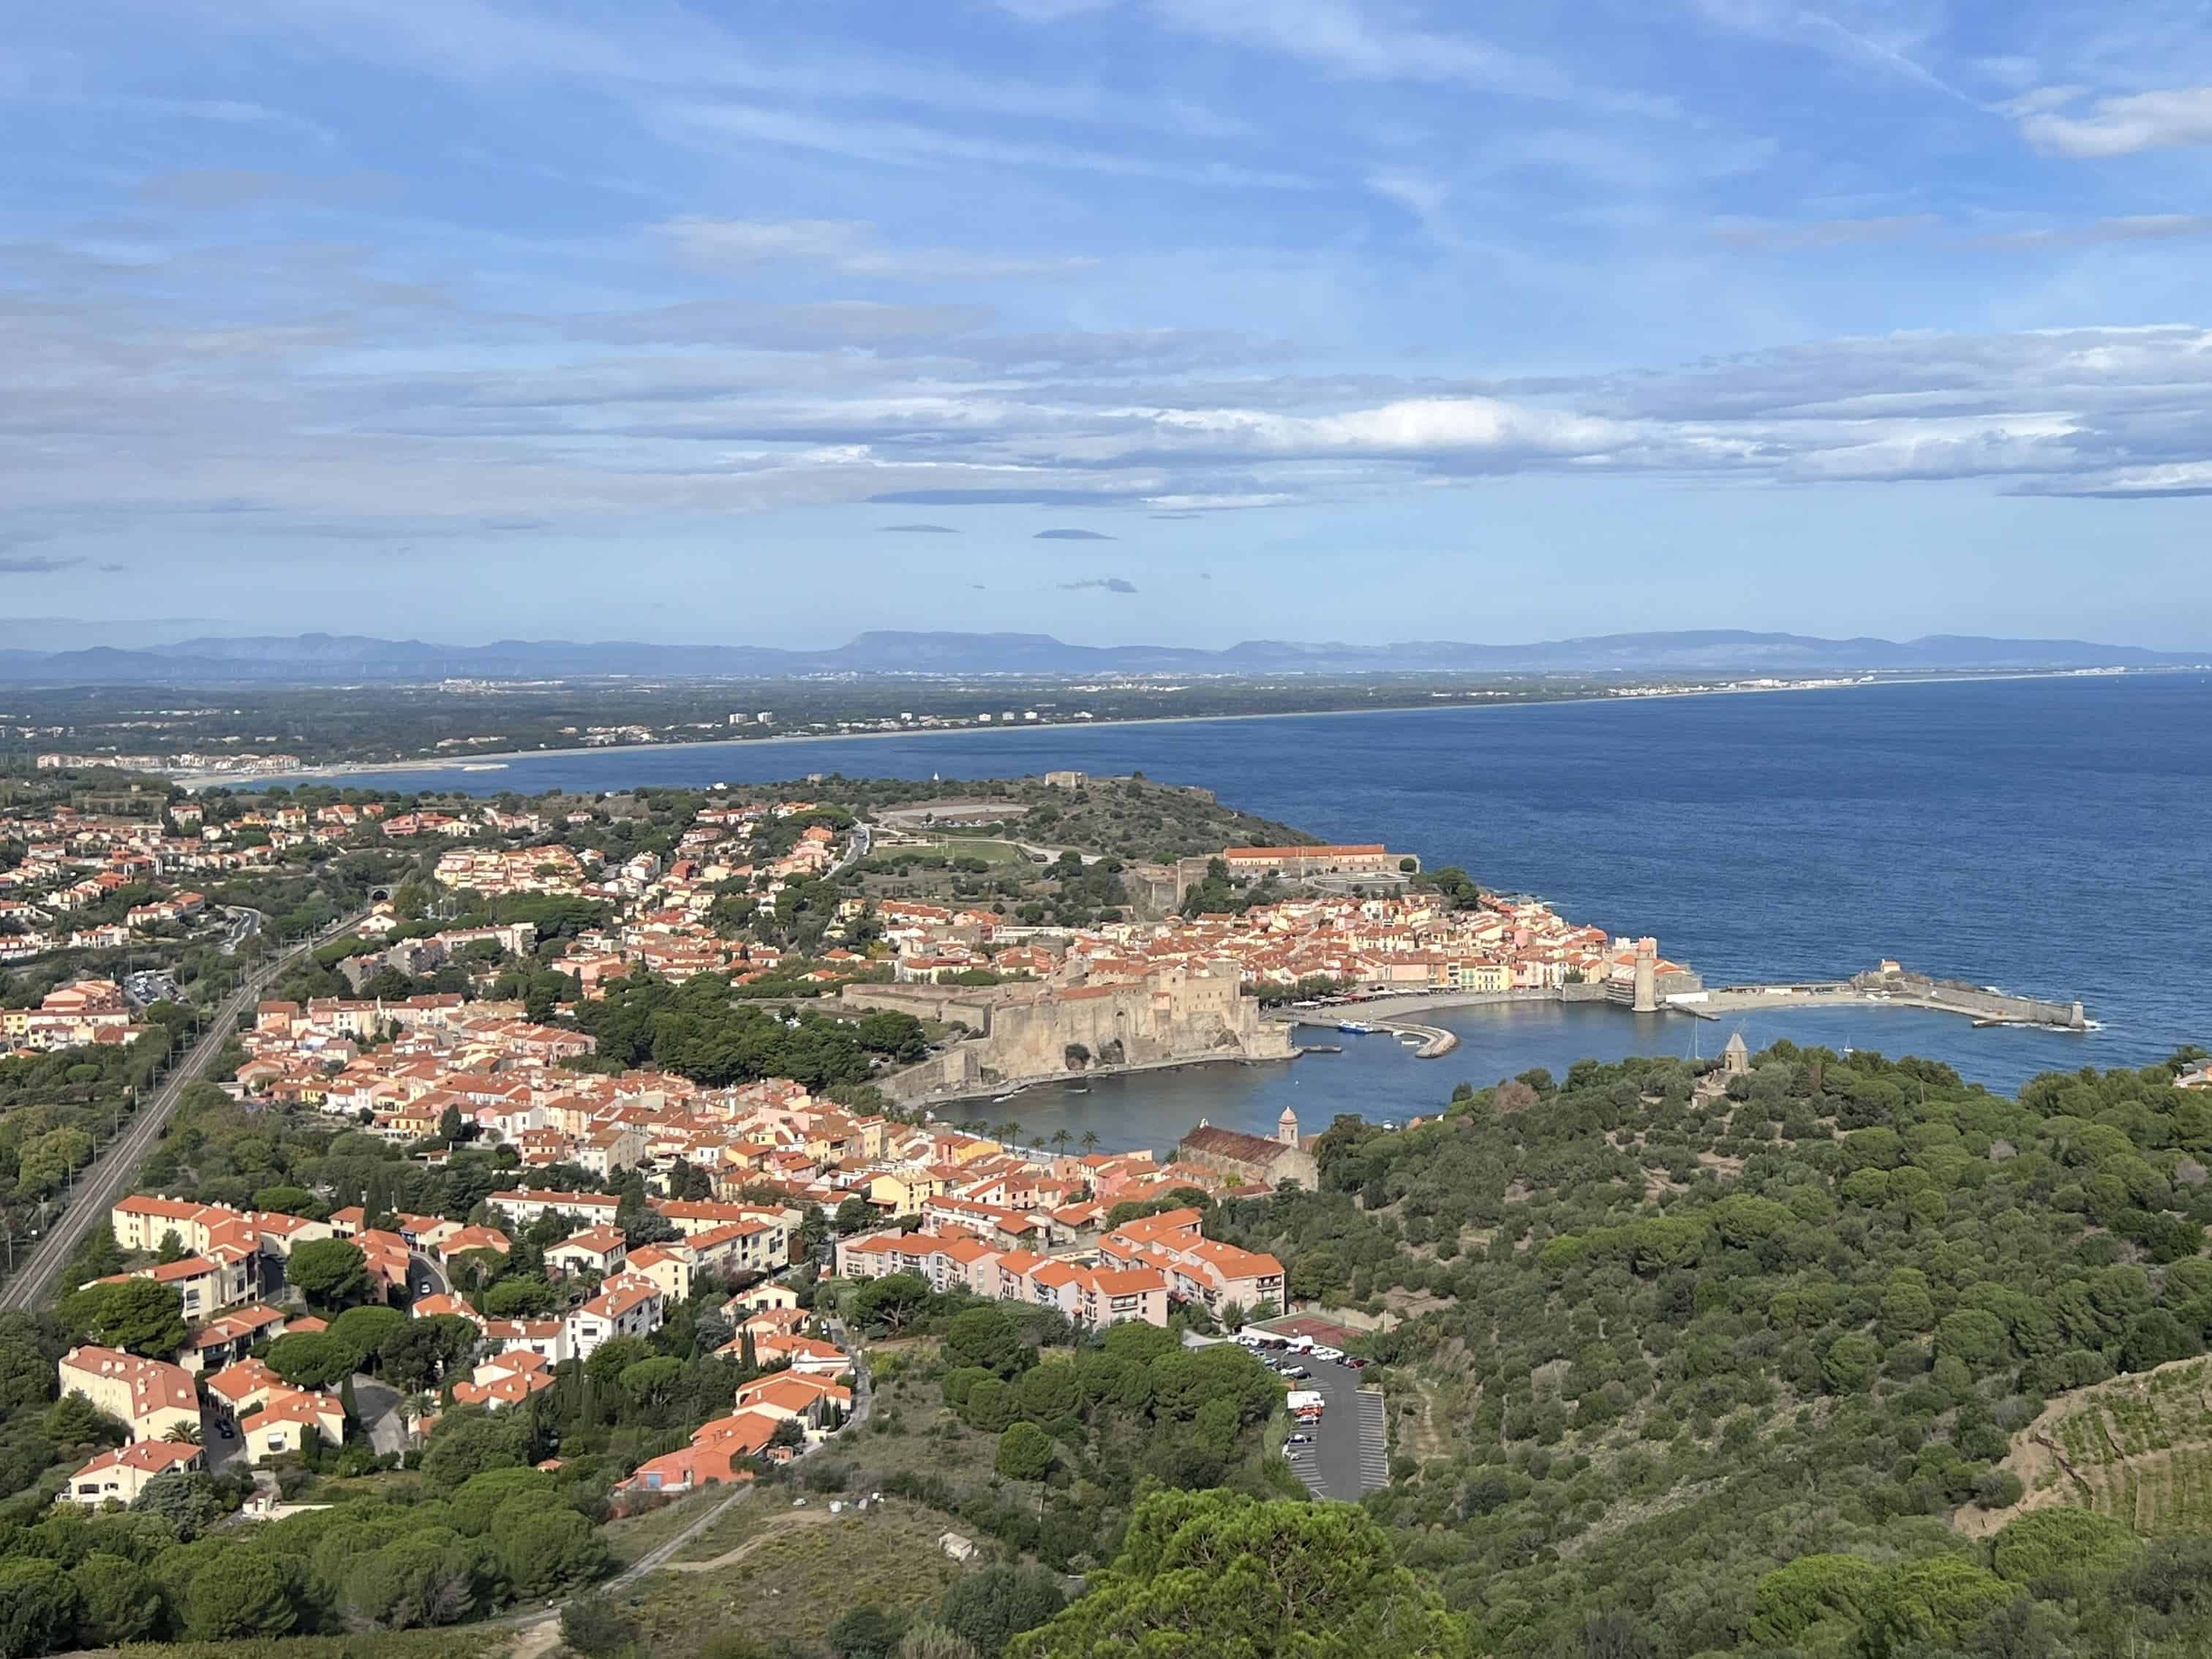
(1355,1028)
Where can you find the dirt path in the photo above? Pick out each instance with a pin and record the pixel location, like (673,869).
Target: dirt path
(789,1521)
(538,1640)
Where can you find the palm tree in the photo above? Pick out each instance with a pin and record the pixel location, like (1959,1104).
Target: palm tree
(183,1434)
(1009,1132)
(1089,1140)
(1060,1139)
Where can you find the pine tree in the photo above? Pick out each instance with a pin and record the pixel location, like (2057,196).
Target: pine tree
(747,1355)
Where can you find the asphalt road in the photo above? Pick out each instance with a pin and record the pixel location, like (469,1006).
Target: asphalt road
(1346,1459)
(422,1269)
(109,1175)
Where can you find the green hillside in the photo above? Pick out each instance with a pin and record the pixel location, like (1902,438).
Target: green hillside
(1658,1334)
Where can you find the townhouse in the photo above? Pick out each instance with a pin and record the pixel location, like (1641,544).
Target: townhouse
(225,1339)
(148,1397)
(120,1474)
(1197,1268)
(601,1250)
(507,1379)
(523,1205)
(816,1404)
(287,1419)
(627,1305)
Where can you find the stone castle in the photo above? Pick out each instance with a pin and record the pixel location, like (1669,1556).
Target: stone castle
(1027,1033)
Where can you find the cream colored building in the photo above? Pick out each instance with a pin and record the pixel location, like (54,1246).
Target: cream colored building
(120,1474)
(283,1424)
(148,1396)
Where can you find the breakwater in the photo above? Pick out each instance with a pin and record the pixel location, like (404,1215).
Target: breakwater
(1430,1041)
(1891,986)
(1887,985)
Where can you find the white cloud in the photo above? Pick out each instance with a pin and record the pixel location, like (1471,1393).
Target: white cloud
(1342,38)
(844,245)
(1420,195)
(1883,41)
(1821,233)
(2120,125)
(1358,42)
(2127,228)
(900,144)
(1415,426)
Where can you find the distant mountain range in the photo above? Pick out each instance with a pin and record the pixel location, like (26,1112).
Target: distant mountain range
(328,659)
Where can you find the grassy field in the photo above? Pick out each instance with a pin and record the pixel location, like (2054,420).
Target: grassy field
(792,1574)
(635,1535)
(739,1523)
(2138,1449)
(365,1644)
(991,852)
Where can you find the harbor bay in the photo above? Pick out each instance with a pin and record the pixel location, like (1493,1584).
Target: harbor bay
(2040,835)
(1379,1078)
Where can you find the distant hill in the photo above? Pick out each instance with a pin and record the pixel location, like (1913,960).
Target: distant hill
(340,658)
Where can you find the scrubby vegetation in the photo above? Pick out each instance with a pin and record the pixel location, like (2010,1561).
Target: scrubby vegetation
(1659,1338)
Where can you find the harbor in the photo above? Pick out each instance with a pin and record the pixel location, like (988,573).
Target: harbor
(1379,1078)
(1427,1041)
(1893,985)
(1888,986)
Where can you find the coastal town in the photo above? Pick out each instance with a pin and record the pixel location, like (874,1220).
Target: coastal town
(635,1187)
(589,1088)
(619,1079)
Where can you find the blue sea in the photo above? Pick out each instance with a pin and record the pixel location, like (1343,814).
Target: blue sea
(2047,836)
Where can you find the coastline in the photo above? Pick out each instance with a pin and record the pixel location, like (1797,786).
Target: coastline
(1015,1088)
(1436,1040)
(498,761)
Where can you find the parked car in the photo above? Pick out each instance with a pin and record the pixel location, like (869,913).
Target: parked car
(1299,1372)
(1299,1440)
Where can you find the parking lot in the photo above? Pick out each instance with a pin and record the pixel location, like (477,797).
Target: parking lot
(1347,1456)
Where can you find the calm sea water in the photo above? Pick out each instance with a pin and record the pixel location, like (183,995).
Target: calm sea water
(2047,835)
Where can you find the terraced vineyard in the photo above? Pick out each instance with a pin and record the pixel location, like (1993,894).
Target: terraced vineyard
(2138,1449)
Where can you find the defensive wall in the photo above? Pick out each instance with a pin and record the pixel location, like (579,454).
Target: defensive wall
(1033,1033)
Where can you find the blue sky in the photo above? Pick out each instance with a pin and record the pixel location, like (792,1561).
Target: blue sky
(1181,320)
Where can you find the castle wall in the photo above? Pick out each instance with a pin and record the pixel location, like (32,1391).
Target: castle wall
(1172,1016)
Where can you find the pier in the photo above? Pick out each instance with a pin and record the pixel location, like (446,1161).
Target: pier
(1435,1041)
(1890,986)
(1886,986)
